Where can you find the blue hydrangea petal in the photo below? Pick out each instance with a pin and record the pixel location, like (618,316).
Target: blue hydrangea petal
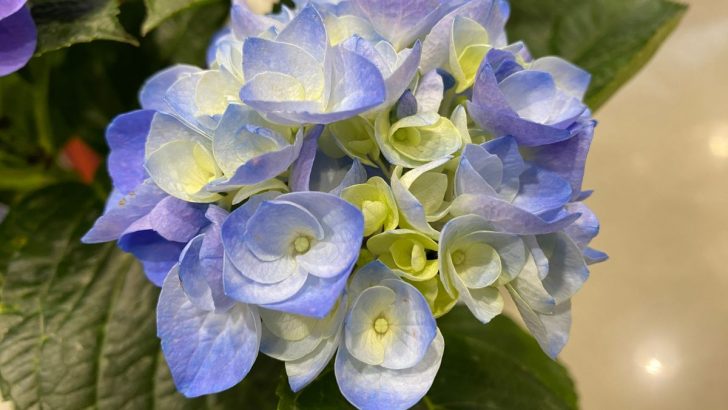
(478,173)
(303,371)
(240,288)
(485,303)
(166,128)
(308,32)
(542,191)
(127,136)
(263,167)
(372,274)
(507,217)
(567,76)
(9,7)
(491,14)
(357,84)
(400,79)
(300,178)
(123,212)
(18,38)
(506,148)
(530,290)
(157,255)
(530,94)
(550,330)
(373,387)
(201,277)
(430,91)
(261,56)
(593,256)
(567,269)
(333,175)
(207,352)
(316,297)
(246,23)
(343,226)
(176,220)
(402,22)
(151,96)
(566,158)
(275,225)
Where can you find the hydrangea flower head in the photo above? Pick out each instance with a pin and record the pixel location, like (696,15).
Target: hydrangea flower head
(338,178)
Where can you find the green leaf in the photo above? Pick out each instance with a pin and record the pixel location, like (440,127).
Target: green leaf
(612,39)
(185,37)
(494,366)
(62,23)
(160,10)
(77,321)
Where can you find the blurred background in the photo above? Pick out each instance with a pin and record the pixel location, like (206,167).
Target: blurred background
(650,328)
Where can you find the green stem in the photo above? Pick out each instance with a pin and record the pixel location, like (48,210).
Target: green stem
(383,166)
(40,107)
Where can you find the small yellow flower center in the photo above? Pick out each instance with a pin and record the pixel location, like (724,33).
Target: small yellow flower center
(381,325)
(302,244)
(458,257)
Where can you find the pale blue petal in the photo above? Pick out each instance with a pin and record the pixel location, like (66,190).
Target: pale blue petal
(246,23)
(372,274)
(567,269)
(542,191)
(508,218)
(343,226)
(201,276)
(550,330)
(303,371)
(307,31)
(300,178)
(531,94)
(121,213)
(207,352)
(356,175)
(242,289)
(151,96)
(271,231)
(177,220)
(263,167)
(430,91)
(374,387)
(568,77)
(402,22)
(506,149)
(316,297)
(261,56)
(166,128)
(403,75)
(357,84)
(479,172)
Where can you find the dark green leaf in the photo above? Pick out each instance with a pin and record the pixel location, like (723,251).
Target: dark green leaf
(184,38)
(62,23)
(160,10)
(494,366)
(77,321)
(497,366)
(322,394)
(612,39)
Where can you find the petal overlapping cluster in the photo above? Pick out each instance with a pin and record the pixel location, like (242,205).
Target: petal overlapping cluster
(341,175)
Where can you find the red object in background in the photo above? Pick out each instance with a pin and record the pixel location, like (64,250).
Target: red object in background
(82,159)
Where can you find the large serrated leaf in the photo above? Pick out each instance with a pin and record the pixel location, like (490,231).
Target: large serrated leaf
(77,321)
(494,366)
(160,10)
(612,39)
(62,23)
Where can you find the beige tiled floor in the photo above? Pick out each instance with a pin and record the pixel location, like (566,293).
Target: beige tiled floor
(651,327)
